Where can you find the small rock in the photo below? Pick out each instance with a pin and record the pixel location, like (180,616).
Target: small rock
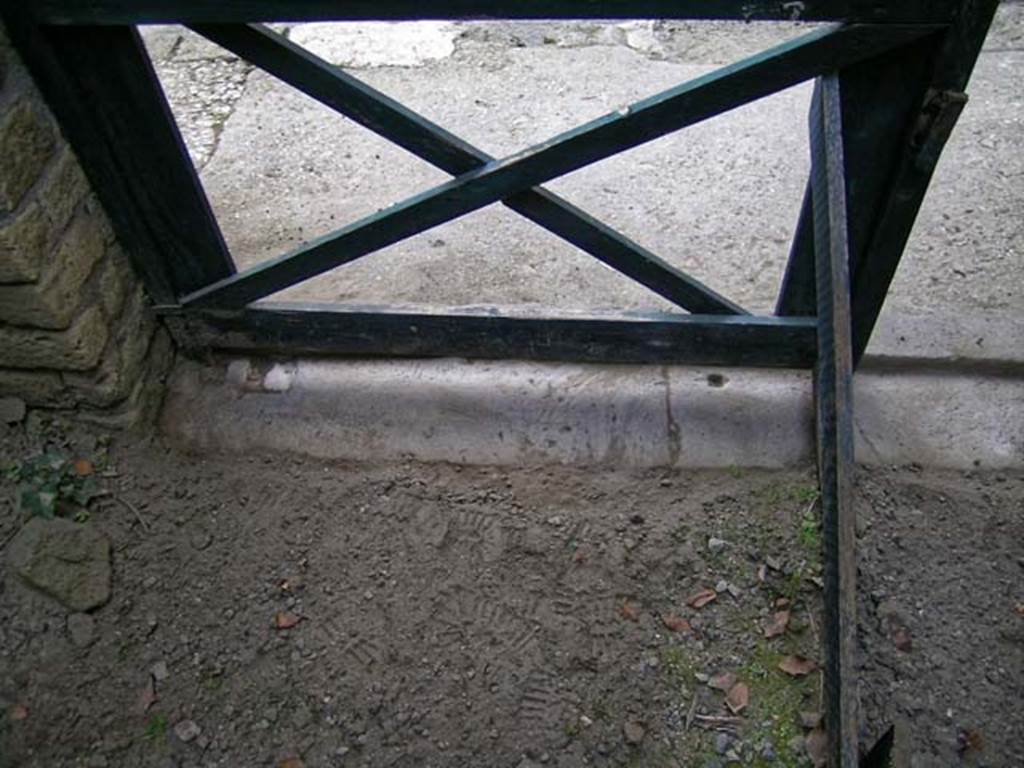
(80,629)
(12,410)
(555,520)
(585,721)
(723,741)
(774,563)
(187,730)
(810,720)
(159,671)
(636,519)
(201,539)
(68,561)
(716,545)
(722,586)
(634,732)
(149,582)
(734,591)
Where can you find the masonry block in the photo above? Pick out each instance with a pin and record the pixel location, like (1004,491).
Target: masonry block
(23,240)
(123,360)
(53,301)
(76,349)
(114,282)
(64,187)
(27,141)
(36,388)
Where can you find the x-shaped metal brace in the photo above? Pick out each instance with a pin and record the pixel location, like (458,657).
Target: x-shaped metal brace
(482,180)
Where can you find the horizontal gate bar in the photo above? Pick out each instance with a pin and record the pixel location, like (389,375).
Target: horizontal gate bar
(732,86)
(244,11)
(315,329)
(372,109)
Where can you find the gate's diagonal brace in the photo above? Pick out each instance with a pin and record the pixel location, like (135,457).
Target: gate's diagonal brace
(372,109)
(833,383)
(778,68)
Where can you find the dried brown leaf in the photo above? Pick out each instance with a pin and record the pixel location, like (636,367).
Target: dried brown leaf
(738,698)
(797,666)
(902,640)
(810,720)
(675,623)
(762,573)
(148,696)
(285,620)
(781,602)
(776,625)
(816,745)
(702,598)
(630,611)
(969,740)
(17,712)
(82,467)
(722,682)
(291,762)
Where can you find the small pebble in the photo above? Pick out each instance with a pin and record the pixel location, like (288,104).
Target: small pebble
(722,743)
(187,730)
(634,732)
(159,671)
(81,627)
(716,545)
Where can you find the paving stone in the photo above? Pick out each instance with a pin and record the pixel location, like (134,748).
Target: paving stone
(68,561)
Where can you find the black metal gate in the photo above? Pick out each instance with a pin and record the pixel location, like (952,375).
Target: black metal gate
(890,80)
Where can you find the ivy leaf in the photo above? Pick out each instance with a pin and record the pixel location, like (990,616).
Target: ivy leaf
(37,502)
(86,491)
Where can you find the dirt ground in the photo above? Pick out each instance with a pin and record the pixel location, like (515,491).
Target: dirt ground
(276,611)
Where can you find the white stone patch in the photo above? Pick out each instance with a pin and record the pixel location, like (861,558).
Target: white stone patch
(278,379)
(378,44)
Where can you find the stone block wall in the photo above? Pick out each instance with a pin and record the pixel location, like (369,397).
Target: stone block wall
(76,331)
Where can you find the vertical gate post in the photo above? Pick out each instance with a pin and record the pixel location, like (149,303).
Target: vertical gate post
(100,83)
(834,410)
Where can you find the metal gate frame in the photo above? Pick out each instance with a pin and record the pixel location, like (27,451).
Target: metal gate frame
(890,81)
